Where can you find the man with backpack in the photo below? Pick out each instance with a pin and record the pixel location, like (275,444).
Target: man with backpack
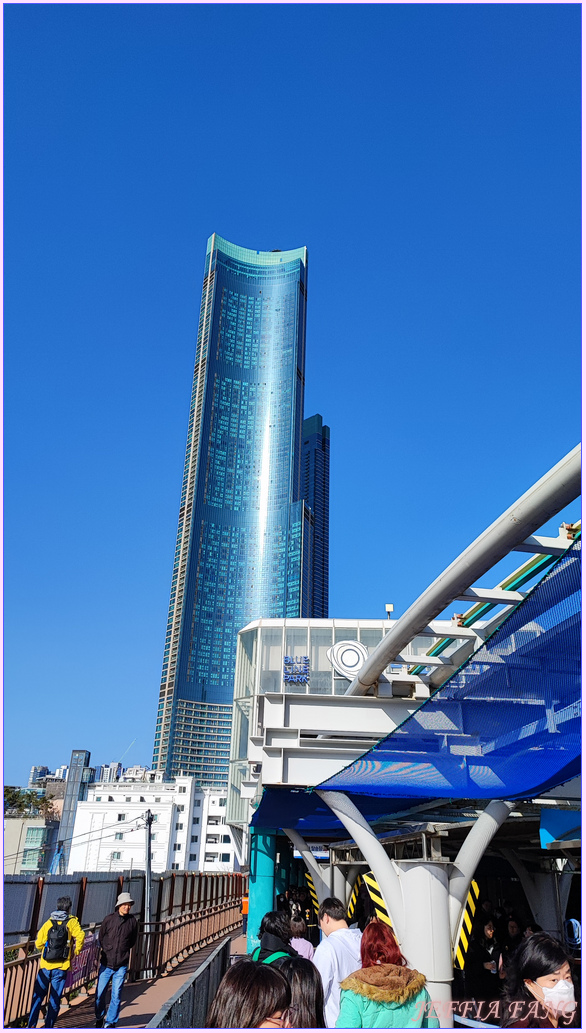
(118,933)
(58,940)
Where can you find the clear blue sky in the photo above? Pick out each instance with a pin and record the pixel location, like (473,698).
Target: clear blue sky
(427,155)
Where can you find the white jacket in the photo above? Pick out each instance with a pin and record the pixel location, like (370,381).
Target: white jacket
(336,957)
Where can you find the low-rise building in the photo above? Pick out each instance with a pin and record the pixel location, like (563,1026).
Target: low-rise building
(29,844)
(189,832)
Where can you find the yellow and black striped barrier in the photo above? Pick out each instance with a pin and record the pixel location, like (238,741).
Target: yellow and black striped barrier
(312,892)
(466,925)
(376,897)
(354,897)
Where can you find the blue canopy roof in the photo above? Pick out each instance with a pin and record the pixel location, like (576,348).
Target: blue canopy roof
(506,725)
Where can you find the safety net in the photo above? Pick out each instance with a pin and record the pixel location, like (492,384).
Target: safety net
(506,725)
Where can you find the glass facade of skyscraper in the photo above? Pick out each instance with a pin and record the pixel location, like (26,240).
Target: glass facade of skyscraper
(245,541)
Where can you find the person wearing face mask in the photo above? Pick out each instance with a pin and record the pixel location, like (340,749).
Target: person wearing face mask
(539,991)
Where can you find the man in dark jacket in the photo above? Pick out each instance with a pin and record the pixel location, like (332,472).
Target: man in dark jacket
(118,934)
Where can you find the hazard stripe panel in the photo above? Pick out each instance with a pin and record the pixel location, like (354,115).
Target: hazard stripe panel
(354,897)
(466,926)
(312,892)
(376,897)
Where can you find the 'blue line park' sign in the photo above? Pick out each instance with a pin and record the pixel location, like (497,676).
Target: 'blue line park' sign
(296,669)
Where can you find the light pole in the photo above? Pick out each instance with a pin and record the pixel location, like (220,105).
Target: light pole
(147,894)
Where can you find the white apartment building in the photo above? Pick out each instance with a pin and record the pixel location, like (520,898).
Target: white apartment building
(189,832)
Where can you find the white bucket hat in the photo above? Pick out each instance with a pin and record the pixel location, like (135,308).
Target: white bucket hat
(124,898)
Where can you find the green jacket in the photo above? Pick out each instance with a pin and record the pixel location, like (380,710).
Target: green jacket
(385,997)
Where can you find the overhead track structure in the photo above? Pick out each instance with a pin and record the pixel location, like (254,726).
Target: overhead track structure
(513,531)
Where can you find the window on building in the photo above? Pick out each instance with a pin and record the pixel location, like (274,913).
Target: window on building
(180,806)
(197,803)
(157,799)
(225,839)
(178,826)
(174,867)
(222,802)
(119,835)
(211,857)
(213,821)
(194,839)
(30,859)
(127,799)
(116,855)
(224,857)
(182,789)
(155,817)
(193,857)
(98,799)
(141,799)
(196,821)
(110,799)
(176,846)
(121,817)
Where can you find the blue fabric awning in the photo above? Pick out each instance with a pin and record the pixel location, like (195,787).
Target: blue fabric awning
(506,725)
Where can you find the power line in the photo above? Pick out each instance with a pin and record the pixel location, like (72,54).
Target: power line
(98,836)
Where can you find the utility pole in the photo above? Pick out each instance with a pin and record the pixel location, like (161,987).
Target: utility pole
(147,895)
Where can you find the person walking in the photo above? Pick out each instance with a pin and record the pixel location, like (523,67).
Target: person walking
(481,972)
(299,940)
(385,993)
(118,933)
(59,939)
(275,936)
(337,955)
(244,913)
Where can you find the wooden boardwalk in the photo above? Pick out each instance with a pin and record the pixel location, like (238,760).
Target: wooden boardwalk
(142,1000)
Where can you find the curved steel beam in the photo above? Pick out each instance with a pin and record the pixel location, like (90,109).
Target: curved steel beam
(547,497)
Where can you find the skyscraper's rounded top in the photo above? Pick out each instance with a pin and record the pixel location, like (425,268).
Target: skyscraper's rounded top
(244,254)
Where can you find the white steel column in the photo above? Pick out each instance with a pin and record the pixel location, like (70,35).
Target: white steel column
(470,853)
(547,904)
(416,897)
(338,884)
(318,874)
(372,851)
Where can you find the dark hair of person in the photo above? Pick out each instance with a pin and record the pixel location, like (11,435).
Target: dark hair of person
(64,904)
(537,955)
(378,946)
(278,923)
(298,927)
(307,994)
(480,925)
(334,908)
(247,995)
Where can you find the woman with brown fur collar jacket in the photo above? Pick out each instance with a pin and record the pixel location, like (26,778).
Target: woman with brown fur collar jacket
(384,993)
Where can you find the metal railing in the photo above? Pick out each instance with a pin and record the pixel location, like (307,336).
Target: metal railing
(21,970)
(187,1009)
(160,947)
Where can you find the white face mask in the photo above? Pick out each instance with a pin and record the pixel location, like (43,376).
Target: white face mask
(560,998)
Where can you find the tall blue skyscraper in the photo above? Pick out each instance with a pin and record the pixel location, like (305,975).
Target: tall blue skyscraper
(316,492)
(247,535)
